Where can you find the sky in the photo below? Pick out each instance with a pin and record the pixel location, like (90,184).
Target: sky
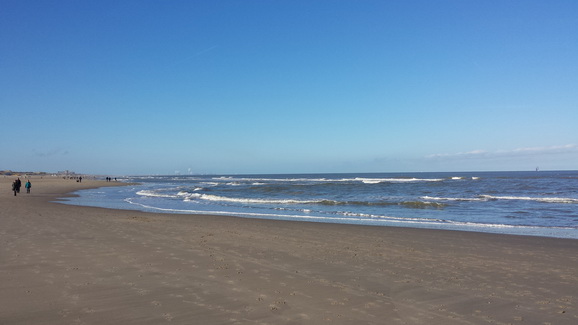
(288,86)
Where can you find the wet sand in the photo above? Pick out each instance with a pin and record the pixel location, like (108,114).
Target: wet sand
(62,264)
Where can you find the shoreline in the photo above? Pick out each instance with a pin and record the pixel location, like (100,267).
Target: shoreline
(75,264)
(437,223)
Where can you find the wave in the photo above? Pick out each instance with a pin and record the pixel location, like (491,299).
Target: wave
(464,177)
(259,179)
(396,180)
(210,183)
(408,204)
(217,198)
(423,205)
(209,197)
(236,181)
(365,180)
(187,193)
(360,218)
(151,193)
(349,216)
(536,199)
(451,198)
(496,198)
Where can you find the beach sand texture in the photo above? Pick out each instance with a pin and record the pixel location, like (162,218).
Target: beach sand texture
(62,264)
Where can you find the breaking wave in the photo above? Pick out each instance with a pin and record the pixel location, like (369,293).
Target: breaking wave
(536,199)
(496,198)
(216,198)
(365,180)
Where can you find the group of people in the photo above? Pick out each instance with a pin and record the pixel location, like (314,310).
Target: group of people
(17,184)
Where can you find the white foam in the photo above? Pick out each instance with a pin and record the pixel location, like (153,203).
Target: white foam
(395,180)
(350,217)
(155,194)
(209,197)
(537,199)
(432,198)
(260,181)
(371,181)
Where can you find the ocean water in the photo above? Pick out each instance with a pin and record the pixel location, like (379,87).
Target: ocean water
(543,203)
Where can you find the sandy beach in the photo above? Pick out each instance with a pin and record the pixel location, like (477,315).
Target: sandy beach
(62,264)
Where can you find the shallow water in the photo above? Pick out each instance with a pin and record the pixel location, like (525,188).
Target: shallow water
(541,203)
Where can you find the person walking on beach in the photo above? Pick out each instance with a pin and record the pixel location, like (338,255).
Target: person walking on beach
(28,185)
(18,185)
(14,188)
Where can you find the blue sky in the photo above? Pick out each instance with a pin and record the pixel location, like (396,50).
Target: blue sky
(156,87)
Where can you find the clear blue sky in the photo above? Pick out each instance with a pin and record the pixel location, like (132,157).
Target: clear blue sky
(155,87)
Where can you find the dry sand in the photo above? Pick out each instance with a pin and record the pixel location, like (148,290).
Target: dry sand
(62,264)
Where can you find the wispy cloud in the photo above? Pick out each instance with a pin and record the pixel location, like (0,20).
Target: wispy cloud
(194,55)
(518,152)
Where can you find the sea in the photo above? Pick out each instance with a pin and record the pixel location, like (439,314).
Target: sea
(536,203)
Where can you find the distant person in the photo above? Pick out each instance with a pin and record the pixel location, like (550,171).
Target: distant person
(80,179)
(28,185)
(14,188)
(18,185)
